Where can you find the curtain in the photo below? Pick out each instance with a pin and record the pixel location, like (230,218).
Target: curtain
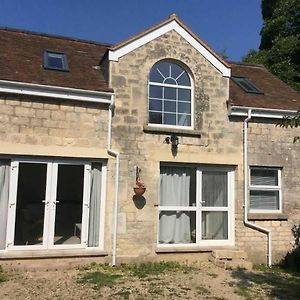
(95,202)
(214,225)
(214,194)
(264,200)
(175,226)
(4,188)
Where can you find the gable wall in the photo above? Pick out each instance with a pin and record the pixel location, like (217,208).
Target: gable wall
(220,142)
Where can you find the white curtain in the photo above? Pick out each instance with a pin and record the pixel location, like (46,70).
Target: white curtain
(95,202)
(4,188)
(175,226)
(214,194)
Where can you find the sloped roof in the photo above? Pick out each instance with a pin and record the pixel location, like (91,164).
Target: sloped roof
(276,94)
(21,60)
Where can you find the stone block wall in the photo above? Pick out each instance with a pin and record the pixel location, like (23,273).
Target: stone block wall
(220,142)
(52,122)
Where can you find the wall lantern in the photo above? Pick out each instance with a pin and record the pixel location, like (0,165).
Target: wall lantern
(173,140)
(139,187)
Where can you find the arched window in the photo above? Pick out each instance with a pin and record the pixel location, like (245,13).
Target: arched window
(170,95)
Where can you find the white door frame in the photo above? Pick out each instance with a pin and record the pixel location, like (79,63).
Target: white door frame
(49,211)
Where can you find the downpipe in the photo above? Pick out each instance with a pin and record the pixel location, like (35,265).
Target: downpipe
(246,193)
(115,154)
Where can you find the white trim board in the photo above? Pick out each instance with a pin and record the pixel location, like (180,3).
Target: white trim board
(31,89)
(242,111)
(114,55)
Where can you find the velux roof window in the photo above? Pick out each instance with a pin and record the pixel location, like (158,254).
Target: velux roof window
(246,85)
(55,61)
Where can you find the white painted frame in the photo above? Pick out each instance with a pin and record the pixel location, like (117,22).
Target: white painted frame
(277,188)
(114,55)
(49,214)
(191,88)
(199,209)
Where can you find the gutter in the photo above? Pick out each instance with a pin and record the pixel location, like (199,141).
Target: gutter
(242,111)
(115,154)
(246,194)
(32,89)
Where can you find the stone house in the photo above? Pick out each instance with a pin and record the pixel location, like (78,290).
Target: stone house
(82,123)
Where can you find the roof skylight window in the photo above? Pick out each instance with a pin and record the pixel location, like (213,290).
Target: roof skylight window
(55,61)
(246,85)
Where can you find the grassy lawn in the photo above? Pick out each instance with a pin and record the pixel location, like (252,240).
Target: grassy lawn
(275,283)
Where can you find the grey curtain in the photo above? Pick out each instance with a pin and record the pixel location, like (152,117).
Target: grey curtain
(175,226)
(214,194)
(4,188)
(95,202)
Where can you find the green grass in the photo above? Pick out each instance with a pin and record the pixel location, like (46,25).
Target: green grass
(201,290)
(144,270)
(3,276)
(99,279)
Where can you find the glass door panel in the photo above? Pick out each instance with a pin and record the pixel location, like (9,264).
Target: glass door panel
(68,204)
(30,204)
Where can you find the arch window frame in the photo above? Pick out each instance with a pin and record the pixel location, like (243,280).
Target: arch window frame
(177,101)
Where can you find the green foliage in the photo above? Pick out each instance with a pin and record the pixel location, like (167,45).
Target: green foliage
(3,276)
(279,49)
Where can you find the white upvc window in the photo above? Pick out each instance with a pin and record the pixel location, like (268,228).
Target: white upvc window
(265,190)
(170,95)
(196,206)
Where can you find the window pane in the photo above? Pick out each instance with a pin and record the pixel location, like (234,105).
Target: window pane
(184,120)
(184,79)
(214,225)
(184,107)
(170,119)
(155,91)
(214,188)
(155,118)
(170,106)
(155,105)
(264,200)
(169,93)
(55,62)
(177,186)
(184,95)
(177,227)
(264,176)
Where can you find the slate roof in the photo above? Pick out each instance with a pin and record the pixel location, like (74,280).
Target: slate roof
(21,59)
(276,94)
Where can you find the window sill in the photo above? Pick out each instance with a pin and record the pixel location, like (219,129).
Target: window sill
(8,254)
(267,216)
(192,249)
(178,131)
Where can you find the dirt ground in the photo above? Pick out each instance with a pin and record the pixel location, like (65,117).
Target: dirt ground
(204,282)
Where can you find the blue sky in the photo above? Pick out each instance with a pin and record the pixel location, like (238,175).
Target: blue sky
(230,26)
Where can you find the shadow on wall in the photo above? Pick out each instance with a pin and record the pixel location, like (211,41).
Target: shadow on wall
(292,259)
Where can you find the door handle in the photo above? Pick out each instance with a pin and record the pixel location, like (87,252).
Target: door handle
(56,202)
(46,202)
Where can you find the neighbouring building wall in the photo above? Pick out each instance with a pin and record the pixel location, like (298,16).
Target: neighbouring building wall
(220,142)
(272,146)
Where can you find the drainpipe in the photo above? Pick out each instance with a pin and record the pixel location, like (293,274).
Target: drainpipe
(246,195)
(115,154)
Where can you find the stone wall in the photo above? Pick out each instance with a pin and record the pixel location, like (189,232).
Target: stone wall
(270,145)
(220,142)
(53,124)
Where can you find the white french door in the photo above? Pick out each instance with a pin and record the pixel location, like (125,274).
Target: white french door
(48,204)
(196,206)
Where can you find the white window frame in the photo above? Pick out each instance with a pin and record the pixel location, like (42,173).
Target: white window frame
(266,188)
(49,212)
(191,88)
(199,209)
